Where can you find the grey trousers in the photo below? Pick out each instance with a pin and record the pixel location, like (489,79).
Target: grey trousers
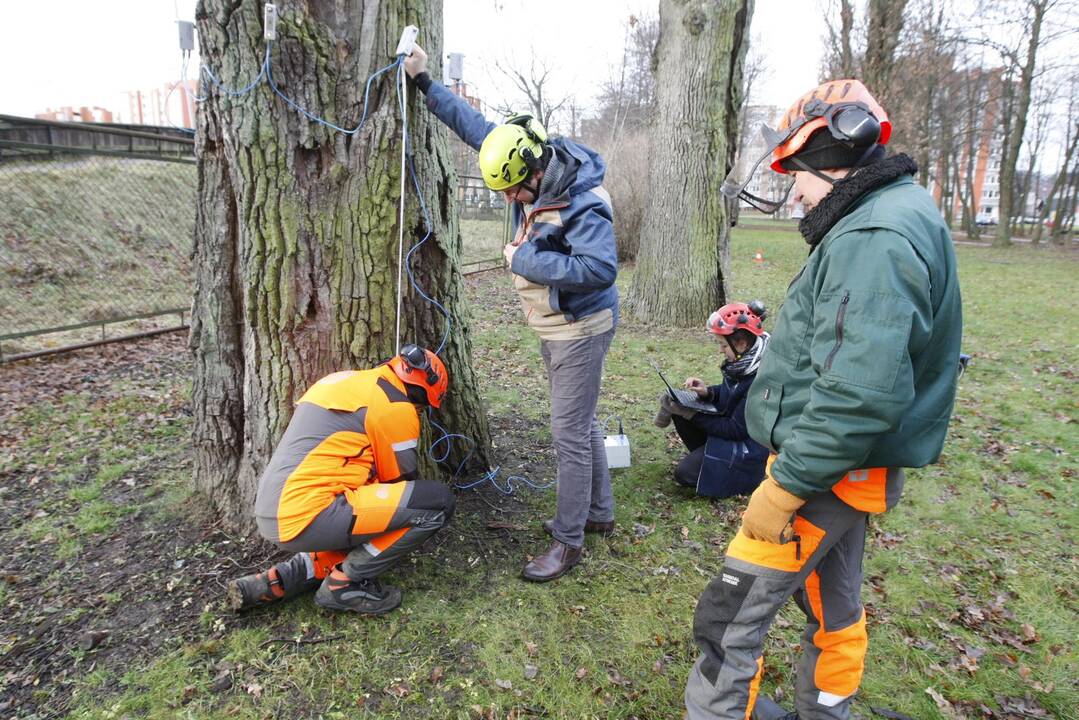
(419,510)
(823,571)
(574,372)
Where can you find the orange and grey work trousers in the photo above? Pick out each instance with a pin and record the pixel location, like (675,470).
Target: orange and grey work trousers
(375,527)
(822,569)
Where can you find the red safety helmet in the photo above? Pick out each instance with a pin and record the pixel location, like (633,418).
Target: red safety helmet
(422,368)
(839,105)
(738,316)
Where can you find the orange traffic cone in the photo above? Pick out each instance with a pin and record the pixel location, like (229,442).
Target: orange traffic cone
(759,258)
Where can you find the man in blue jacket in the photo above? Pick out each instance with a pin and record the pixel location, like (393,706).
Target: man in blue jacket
(564,266)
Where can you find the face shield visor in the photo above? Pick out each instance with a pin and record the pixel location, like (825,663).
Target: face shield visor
(758,185)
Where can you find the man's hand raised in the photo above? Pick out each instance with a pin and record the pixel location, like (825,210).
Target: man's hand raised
(416,63)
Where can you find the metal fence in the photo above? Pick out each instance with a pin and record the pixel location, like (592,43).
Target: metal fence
(96,227)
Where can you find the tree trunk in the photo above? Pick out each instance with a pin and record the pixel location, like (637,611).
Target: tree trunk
(846,26)
(1064,219)
(1010,154)
(882,38)
(296,234)
(683,263)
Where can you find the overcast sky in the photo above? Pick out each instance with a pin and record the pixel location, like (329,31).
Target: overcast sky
(73,52)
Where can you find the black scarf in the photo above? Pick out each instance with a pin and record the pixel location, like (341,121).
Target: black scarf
(847,191)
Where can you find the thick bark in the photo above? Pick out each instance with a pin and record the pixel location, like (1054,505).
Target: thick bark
(683,262)
(882,38)
(296,238)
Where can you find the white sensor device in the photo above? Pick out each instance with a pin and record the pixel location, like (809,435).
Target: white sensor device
(269,22)
(187,34)
(617,447)
(408,39)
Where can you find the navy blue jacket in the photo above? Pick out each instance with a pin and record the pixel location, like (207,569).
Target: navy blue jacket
(733,462)
(570,250)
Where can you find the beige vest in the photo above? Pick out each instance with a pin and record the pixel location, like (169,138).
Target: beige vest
(551,324)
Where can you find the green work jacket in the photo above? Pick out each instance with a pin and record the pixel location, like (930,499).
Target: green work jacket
(862,366)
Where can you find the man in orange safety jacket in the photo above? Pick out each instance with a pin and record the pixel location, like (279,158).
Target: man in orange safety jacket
(341,489)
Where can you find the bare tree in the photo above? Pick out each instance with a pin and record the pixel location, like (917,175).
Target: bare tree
(1042,106)
(1026,22)
(841,60)
(1060,194)
(534,85)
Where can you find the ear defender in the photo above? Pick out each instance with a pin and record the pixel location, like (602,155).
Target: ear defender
(417,360)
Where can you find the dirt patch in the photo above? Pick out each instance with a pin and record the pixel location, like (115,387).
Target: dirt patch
(73,604)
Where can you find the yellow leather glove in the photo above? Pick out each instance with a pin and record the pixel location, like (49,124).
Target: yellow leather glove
(768,516)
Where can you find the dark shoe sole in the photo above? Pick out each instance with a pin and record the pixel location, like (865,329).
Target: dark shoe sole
(392,603)
(548,578)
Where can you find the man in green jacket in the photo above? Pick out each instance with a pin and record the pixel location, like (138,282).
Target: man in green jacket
(858,383)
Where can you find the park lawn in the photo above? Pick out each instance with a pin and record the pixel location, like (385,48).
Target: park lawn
(970,592)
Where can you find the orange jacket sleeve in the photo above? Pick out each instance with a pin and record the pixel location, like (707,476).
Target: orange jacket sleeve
(394,431)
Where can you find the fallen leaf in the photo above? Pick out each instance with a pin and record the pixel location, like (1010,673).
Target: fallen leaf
(939,699)
(532,649)
(504,684)
(254,690)
(437,673)
(581,672)
(530,672)
(1029,633)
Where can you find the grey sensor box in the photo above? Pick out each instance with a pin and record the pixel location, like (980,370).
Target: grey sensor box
(187,34)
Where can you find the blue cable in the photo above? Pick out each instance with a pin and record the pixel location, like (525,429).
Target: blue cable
(513,481)
(446,437)
(312,116)
(243,91)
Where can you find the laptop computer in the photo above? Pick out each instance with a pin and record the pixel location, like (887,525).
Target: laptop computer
(685,398)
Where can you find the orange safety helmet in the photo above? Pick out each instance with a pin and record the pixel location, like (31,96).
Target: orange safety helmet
(422,368)
(738,316)
(821,108)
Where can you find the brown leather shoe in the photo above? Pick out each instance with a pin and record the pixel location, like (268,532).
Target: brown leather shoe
(556,562)
(606,529)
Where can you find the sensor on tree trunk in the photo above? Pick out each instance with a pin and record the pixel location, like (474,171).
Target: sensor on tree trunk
(269,22)
(408,39)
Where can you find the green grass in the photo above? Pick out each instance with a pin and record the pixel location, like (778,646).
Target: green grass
(92,238)
(979,559)
(482,239)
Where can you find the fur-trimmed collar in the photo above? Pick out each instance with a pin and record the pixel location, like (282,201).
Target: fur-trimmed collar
(846,192)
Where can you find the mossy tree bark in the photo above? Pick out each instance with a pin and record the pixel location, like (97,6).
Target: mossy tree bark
(296,233)
(683,263)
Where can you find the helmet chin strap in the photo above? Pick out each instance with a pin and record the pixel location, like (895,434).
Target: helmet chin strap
(534,189)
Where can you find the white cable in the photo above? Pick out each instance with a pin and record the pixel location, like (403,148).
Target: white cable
(401,216)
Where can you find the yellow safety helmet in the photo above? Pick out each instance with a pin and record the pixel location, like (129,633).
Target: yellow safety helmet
(510,152)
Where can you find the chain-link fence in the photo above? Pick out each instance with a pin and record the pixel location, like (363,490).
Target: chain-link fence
(95,236)
(485,225)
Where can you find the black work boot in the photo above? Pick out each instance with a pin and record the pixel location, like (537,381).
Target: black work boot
(766,709)
(367,596)
(284,580)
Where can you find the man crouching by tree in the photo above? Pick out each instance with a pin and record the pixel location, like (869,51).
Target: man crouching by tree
(341,490)
(564,266)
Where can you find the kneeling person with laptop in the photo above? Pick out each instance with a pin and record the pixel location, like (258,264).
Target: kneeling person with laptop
(723,459)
